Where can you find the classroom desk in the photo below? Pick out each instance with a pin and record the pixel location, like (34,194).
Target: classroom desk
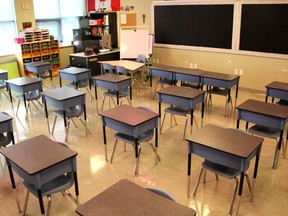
(63,98)
(230,148)
(39,160)
(183,97)
(221,80)
(126,198)
(38,68)
(131,121)
(277,90)
(265,114)
(6,125)
(131,66)
(113,82)
(75,74)
(176,73)
(23,85)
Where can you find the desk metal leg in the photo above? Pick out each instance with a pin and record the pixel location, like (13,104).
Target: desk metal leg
(13,185)
(105,143)
(254,177)
(189,174)
(41,201)
(96,98)
(136,157)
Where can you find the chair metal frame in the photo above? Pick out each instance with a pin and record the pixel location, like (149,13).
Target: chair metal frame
(74,112)
(179,111)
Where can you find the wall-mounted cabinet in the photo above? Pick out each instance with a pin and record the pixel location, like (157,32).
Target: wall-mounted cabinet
(47,51)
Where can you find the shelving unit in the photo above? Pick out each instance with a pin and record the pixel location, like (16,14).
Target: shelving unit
(90,36)
(47,51)
(35,35)
(104,23)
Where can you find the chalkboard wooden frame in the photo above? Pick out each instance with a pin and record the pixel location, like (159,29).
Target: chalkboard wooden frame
(241,41)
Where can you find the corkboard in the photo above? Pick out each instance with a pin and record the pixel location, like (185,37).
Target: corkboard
(128,19)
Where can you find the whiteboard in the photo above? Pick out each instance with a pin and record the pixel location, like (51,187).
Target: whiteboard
(134,41)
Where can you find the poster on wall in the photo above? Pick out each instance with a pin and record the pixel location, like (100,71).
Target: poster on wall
(109,5)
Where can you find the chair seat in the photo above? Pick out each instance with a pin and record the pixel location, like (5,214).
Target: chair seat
(5,140)
(58,184)
(165,81)
(80,84)
(144,137)
(30,96)
(221,170)
(177,110)
(70,113)
(264,131)
(114,94)
(282,102)
(218,91)
(190,85)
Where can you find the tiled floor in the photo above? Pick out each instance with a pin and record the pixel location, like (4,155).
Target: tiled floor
(95,175)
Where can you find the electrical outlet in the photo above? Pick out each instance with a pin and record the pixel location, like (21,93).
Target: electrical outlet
(195,66)
(191,65)
(240,72)
(236,71)
(157,61)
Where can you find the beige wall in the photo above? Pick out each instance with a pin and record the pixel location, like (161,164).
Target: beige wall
(24,15)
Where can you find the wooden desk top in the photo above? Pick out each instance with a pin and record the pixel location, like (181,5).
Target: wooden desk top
(188,71)
(181,92)
(220,76)
(5,117)
(74,70)
(226,140)
(113,78)
(129,115)
(36,154)
(22,81)
(278,85)
(129,65)
(62,93)
(264,108)
(126,198)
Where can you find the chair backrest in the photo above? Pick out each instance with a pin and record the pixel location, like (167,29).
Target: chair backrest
(149,133)
(74,111)
(161,193)
(3,78)
(141,58)
(107,68)
(6,132)
(121,70)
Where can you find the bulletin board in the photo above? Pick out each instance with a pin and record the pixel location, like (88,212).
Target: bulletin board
(134,40)
(128,19)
